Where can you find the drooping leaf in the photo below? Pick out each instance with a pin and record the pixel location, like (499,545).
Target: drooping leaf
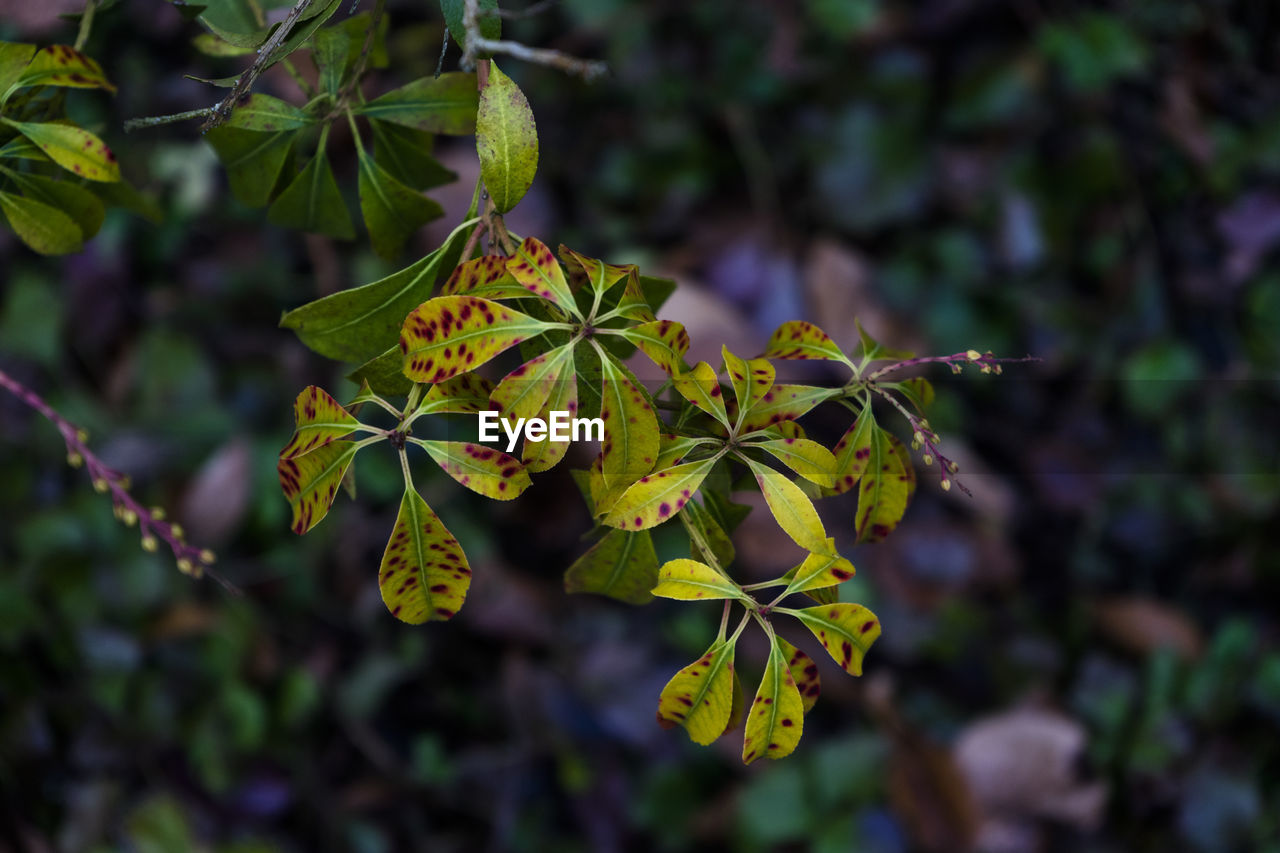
(84,208)
(630,431)
(523,392)
(424,575)
(657,497)
(506,140)
(634,302)
(904,456)
(791,508)
(312,202)
(311,482)
(14,59)
(819,571)
(406,153)
(465,393)
(919,391)
(690,580)
(392,211)
(487,20)
(622,565)
(448,335)
(853,450)
(776,718)
(253,160)
(701,387)
(797,339)
(846,631)
(882,497)
(320,420)
(601,277)
(807,458)
(60,65)
(44,229)
(481,469)
(361,323)
(485,276)
(805,673)
(78,151)
(713,535)
(739,707)
(445,104)
(544,455)
(536,270)
(331,47)
(784,403)
(700,696)
(265,114)
(664,341)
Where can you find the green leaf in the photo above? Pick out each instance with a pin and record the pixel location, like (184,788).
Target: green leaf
(882,497)
(584,270)
(310,482)
(807,458)
(311,20)
(846,631)
(664,341)
(122,194)
(449,335)
(424,575)
(265,114)
(84,208)
(544,455)
(776,719)
(712,533)
(44,229)
(489,23)
(805,673)
(523,392)
(361,323)
(14,59)
(313,202)
(700,696)
(331,47)
(622,565)
(75,150)
(690,580)
(853,451)
(405,153)
(791,508)
(784,403)
(392,211)
(631,437)
(481,469)
(465,393)
(874,351)
(535,269)
(253,160)
(319,420)
(701,387)
(819,571)
(60,65)
(211,45)
(800,340)
(444,104)
(384,374)
(506,140)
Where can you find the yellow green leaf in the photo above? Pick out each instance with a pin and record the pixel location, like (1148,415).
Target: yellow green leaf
(701,387)
(622,565)
(319,420)
(485,276)
(599,275)
(44,228)
(818,571)
(846,631)
(631,440)
(506,140)
(465,393)
(776,718)
(807,458)
(713,535)
(872,349)
(424,575)
(443,104)
(537,271)
(700,696)
(664,341)
(784,403)
(882,497)
(523,392)
(852,452)
(310,482)
(481,469)
(800,340)
(656,497)
(78,151)
(264,113)
(673,448)
(60,65)
(690,580)
(908,469)
(544,455)
(449,335)
(632,304)
(791,508)
(805,673)
(739,706)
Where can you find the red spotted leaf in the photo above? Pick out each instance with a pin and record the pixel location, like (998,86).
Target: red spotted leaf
(657,497)
(775,720)
(784,403)
(583,270)
(691,580)
(465,394)
(481,469)
(846,631)
(701,387)
(424,575)
(60,65)
(523,392)
(449,335)
(700,696)
(852,452)
(805,673)
(819,571)
(544,455)
(807,458)
(311,482)
(320,420)
(800,340)
(535,269)
(486,277)
(631,441)
(884,490)
(664,341)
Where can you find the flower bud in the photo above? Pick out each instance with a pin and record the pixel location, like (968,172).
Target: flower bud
(946,485)
(149,544)
(75,460)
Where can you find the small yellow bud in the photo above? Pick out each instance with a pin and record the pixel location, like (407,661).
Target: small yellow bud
(75,460)
(928,460)
(998,369)
(128,516)
(125,482)
(149,543)
(919,437)
(82,435)
(946,485)
(986,368)
(157,513)
(101,486)
(185,566)
(952,467)
(207,557)
(915,445)
(176,530)
(973,355)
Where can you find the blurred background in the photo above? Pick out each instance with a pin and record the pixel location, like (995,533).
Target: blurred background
(1082,656)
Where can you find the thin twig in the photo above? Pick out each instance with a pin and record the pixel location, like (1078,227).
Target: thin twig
(357,70)
(86,24)
(477,44)
(518,14)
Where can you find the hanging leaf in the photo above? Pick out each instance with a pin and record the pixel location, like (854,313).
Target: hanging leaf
(311,482)
(14,59)
(465,393)
(807,458)
(523,392)
(846,631)
(634,303)
(313,202)
(320,420)
(445,104)
(405,152)
(784,403)
(701,387)
(904,456)
(487,19)
(78,151)
(84,208)
(481,469)
(384,374)
(690,580)
(738,709)
(631,441)
(424,575)
(818,571)
(791,508)
(700,696)
(799,340)
(330,48)
(544,455)
(657,497)
(664,341)
(60,65)
(622,565)
(253,160)
(535,269)
(776,718)
(448,335)
(264,114)
(853,450)
(44,229)
(506,140)
(805,673)
(392,211)
(712,534)
(882,497)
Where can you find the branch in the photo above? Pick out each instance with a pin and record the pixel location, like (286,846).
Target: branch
(476,44)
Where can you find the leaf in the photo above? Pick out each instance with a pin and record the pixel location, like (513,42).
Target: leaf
(807,458)
(846,631)
(690,580)
(523,392)
(465,393)
(311,20)
(360,323)
(331,47)
(392,211)
(776,719)
(123,195)
(738,708)
(631,440)
(485,276)
(700,696)
(819,571)
(673,448)
(791,508)
(253,160)
(311,482)
(405,153)
(448,335)
(445,104)
(84,208)
(481,469)
(211,45)
(853,451)
(60,65)
(44,229)
(535,269)
(634,303)
(908,470)
(14,59)
(805,673)
(657,497)
(784,403)
(263,113)
(712,534)
(874,351)
(622,565)
(664,341)
(312,202)
(882,497)
(543,455)
(751,380)
(487,20)
(320,420)
(384,374)
(701,387)
(583,270)
(424,575)
(75,150)
(800,340)
(506,140)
